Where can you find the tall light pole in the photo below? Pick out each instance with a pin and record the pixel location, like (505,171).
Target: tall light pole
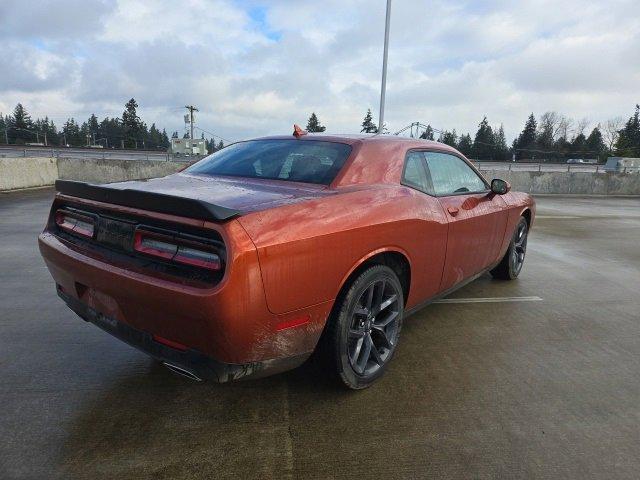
(383,89)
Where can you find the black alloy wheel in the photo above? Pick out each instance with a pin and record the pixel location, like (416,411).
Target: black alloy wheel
(367,326)
(519,247)
(511,264)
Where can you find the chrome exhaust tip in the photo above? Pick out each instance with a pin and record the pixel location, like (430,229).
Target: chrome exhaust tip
(181,371)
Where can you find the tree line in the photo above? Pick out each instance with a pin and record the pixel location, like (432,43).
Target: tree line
(550,137)
(127,131)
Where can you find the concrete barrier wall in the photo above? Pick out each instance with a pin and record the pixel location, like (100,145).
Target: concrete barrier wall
(107,171)
(30,172)
(17,173)
(570,183)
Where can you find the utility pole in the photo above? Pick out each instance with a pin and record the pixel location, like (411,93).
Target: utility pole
(385,55)
(191,109)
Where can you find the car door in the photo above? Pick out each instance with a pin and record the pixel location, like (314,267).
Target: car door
(477,217)
(430,240)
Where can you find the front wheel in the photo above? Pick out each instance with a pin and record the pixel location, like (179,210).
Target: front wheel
(365,328)
(511,264)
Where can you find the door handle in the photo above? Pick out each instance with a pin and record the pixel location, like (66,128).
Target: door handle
(453,211)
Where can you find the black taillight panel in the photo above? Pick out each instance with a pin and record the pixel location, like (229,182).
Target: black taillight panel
(180,251)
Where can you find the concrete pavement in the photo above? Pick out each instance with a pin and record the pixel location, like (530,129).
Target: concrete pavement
(532,389)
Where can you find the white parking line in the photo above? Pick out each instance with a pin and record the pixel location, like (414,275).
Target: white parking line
(489,300)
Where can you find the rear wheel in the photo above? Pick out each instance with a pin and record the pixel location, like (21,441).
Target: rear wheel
(511,264)
(364,331)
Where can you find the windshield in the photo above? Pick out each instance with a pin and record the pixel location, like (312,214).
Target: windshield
(308,161)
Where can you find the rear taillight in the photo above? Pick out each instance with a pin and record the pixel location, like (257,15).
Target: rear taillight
(175,249)
(154,244)
(76,223)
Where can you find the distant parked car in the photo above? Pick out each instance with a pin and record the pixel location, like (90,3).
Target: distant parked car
(589,161)
(243,263)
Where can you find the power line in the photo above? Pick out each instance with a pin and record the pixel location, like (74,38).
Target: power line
(214,135)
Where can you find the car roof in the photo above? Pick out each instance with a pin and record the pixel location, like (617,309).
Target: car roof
(369,138)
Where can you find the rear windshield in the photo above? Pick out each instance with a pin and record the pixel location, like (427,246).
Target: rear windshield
(308,161)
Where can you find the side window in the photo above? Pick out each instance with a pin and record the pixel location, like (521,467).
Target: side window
(451,175)
(415,173)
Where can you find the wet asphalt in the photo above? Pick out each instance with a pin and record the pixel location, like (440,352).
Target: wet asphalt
(528,389)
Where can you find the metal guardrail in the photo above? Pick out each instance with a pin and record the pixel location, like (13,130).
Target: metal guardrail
(552,167)
(11,152)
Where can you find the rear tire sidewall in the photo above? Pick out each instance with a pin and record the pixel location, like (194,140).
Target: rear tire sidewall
(504,270)
(344,317)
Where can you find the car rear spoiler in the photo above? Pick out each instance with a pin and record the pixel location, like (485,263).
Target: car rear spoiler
(156,202)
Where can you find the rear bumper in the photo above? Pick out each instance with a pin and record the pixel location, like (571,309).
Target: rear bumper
(191,363)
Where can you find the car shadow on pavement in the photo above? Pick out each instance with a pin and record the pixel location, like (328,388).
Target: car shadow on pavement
(160,425)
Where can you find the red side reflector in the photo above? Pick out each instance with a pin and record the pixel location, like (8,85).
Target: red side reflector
(295,322)
(170,343)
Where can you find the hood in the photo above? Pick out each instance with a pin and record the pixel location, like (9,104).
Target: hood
(241,194)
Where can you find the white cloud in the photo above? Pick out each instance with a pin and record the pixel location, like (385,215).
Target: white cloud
(255,67)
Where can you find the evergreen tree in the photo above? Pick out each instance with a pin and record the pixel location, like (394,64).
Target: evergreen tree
(367,124)
(133,127)
(111,130)
(500,149)
(527,138)
(154,139)
(595,145)
(220,145)
(545,137)
(449,138)
(71,133)
(578,145)
(628,144)
(562,148)
(20,126)
(313,125)
(465,145)
(46,130)
(428,133)
(89,130)
(483,148)
(165,139)
(4,133)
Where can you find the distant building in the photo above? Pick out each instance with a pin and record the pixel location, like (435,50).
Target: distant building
(188,146)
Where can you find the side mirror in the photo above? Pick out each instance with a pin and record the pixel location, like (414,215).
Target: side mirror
(500,187)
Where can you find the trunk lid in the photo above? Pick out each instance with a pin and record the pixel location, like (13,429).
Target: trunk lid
(235,194)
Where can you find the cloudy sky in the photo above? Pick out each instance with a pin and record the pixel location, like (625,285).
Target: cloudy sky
(256,67)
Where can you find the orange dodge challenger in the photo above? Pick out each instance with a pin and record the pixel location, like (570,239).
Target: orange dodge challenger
(247,261)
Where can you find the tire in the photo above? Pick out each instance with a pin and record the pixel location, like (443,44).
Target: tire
(364,328)
(511,264)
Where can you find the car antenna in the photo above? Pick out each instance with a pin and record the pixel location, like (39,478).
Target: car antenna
(298,132)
